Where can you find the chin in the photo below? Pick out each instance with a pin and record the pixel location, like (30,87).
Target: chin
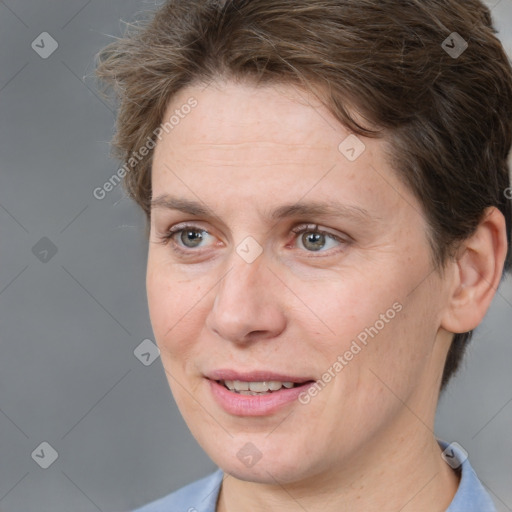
(263,473)
(268,464)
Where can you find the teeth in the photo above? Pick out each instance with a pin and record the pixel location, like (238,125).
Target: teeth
(259,387)
(254,388)
(241,386)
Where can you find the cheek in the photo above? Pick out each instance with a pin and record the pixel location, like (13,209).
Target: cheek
(398,351)
(373,322)
(174,308)
(351,308)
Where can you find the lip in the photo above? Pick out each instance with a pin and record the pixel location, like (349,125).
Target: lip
(255,405)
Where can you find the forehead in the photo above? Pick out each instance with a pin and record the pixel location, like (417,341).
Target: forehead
(272,143)
(233,117)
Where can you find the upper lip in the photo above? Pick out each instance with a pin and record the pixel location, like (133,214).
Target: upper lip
(255,376)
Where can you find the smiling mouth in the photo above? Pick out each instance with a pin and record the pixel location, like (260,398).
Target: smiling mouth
(258,387)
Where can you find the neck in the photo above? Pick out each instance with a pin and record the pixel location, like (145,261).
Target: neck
(408,475)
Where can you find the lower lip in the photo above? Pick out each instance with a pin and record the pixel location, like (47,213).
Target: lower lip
(254,405)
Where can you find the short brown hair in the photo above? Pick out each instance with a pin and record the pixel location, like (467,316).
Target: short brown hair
(448,117)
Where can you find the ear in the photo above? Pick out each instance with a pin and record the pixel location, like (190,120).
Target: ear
(477,272)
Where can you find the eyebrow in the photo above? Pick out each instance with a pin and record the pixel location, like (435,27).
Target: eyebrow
(301,208)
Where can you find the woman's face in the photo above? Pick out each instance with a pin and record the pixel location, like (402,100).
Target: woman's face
(245,289)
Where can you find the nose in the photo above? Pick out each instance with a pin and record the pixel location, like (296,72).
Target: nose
(247,305)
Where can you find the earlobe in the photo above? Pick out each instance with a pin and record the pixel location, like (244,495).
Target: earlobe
(477,273)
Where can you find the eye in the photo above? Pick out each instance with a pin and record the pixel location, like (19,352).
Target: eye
(312,239)
(185,237)
(191,237)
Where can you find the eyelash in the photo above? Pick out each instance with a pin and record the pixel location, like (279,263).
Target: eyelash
(298,230)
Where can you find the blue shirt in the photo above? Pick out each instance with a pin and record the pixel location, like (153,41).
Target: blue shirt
(201,495)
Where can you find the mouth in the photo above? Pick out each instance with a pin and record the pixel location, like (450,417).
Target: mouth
(255,393)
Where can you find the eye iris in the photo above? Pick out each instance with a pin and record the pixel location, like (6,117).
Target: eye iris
(313,241)
(191,238)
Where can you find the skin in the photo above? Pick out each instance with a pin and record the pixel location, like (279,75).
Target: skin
(243,152)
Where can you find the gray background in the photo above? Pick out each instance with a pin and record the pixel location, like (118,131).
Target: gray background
(69,326)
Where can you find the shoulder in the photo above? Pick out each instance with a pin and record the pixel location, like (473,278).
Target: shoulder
(199,496)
